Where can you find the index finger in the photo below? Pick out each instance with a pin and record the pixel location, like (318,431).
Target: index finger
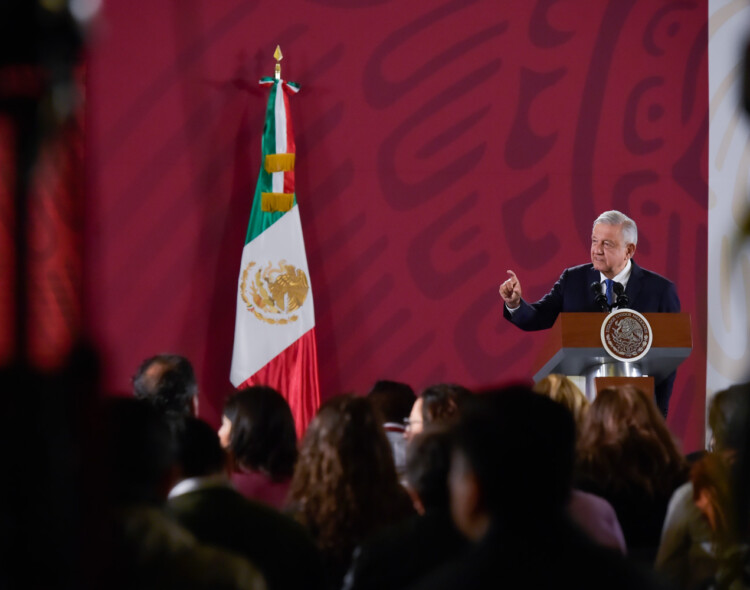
(512,276)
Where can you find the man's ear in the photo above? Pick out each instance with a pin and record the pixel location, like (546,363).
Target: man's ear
(194,405)
(478,518)
(467,502)
(630,250)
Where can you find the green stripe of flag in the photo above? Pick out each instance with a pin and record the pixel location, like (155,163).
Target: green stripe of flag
(259,219)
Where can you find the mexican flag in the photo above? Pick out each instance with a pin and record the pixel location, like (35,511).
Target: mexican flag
(274,331)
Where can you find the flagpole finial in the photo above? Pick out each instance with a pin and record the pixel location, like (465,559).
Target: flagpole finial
(278,56)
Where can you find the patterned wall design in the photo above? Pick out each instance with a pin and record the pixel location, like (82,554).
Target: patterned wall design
(439,144)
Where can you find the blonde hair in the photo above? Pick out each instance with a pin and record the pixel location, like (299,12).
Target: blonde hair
(562,390)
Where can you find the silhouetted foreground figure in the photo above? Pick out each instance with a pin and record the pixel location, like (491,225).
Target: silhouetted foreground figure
(149,549)
(50,500)
(205,503)
(510,480)
(403,553)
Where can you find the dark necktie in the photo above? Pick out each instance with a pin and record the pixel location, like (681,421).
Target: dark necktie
(610,295)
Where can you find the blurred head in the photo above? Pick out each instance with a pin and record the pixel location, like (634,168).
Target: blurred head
(261,432)
(727,415)
(562,390)
(167,381)
(503,469)
(442,402)
(141,449)
(428,459)
(344,484)
(623,427)
(392,400)
(198,450)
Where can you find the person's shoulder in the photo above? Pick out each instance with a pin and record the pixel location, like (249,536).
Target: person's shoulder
(649,275)
(576,272)
(682,497)
(588,501)
(580,272)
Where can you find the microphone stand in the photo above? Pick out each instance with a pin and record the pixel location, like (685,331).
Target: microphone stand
(622,301)
(599,297)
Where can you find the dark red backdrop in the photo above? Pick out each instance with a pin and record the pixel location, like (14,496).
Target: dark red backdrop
(439,144)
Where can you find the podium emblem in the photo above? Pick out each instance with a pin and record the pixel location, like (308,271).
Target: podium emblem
(626,335)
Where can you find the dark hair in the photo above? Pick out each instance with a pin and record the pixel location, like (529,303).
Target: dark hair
(199,450)
(263,435)
(392,400)
(141,449)
(167,381)
(625,444)
(442,402)
(428,460)
(345,484)
(520,446)
(727,414)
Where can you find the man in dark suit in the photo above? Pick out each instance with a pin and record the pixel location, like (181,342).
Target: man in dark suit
(613,242)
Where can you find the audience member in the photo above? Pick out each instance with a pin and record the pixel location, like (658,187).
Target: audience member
(712,494)
(167,381)
(344,486)
(438,404)
(594,515)
(561,389)
(150,550)
(258,429)
(690,551)
(403,553)
(442,403)
(205,503)
(393,402)
(509,481)
(415,422)
(627,455)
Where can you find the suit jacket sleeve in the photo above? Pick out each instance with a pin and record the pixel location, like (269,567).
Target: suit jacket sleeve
(670,302)
(542,314)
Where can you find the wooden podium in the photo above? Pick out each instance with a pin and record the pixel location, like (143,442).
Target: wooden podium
(574,347)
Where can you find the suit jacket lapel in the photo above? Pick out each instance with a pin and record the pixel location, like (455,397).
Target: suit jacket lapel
(634,283)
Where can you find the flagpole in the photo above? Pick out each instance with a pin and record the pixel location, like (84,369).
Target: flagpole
(278,56)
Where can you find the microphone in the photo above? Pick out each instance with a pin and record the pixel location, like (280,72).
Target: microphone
(622,300)
(599,297)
